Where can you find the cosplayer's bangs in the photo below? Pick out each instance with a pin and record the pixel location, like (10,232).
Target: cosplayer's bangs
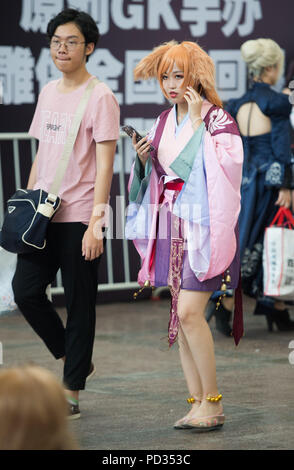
(190,58)
(175,55)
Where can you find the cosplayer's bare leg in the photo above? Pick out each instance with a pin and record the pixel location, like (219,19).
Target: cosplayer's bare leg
(189,367)
(191,375)
(194,327)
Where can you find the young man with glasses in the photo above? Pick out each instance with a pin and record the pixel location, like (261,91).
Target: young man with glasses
(75,236)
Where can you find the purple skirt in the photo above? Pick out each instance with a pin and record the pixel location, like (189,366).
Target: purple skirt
(188,279)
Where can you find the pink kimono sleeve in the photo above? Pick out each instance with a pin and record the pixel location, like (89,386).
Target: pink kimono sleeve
(229,152)
(223,164)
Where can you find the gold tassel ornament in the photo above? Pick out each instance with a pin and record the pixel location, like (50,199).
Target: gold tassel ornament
(146,284)
(228,278)
(225,280)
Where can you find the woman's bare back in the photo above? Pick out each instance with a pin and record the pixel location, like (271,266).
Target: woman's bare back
(252,121)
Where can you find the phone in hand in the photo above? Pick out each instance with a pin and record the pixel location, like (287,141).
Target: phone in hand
(130,131)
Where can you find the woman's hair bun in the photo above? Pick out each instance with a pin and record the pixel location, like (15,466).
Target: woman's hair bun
(261,53)
(251,50)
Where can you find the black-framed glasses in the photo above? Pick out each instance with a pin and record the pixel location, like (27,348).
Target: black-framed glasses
(70,45)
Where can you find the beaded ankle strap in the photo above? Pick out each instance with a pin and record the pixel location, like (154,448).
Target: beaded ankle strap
(192,400)
(214,399)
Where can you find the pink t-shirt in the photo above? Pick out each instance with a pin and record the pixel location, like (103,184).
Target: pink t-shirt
(50,125)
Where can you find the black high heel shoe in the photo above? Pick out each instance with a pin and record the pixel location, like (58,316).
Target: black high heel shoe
(281,319)
(222,318)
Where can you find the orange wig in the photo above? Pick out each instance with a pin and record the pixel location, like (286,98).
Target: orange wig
(197,66)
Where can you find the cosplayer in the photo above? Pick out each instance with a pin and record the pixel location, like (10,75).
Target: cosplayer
(184,206)
(263,118)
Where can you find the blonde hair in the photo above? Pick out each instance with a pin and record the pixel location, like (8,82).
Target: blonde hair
(261,53)
(33,411)
(197,66)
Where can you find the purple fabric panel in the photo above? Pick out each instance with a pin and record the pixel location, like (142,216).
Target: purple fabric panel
(229,128)
(159,131)
(189,280)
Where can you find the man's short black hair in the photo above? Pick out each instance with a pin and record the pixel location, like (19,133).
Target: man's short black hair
(82,20)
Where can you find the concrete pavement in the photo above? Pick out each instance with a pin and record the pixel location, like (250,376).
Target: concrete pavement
(139,391)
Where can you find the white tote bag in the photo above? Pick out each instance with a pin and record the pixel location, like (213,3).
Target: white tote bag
(278,257)
(7,270)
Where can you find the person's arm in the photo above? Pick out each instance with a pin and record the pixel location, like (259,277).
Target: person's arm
(92,243)
(33,174)
(194,101)
(142,165)
(281,145)
(142,149)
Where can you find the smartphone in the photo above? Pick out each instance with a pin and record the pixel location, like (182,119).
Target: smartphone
(130,130)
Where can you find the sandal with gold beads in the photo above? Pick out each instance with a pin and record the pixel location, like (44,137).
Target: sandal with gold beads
(181,423)
(207,423)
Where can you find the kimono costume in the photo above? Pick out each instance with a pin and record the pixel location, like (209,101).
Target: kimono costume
(267,159)
(184,206)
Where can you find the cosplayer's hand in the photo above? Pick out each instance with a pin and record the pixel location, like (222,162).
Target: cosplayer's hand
(284,198)
(142,148)
(92,247)
(194,101)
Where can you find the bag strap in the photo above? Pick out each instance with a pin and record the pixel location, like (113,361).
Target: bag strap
(281,215)
(70,141)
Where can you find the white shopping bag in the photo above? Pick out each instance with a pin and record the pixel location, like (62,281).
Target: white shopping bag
(278,257)
(7,270)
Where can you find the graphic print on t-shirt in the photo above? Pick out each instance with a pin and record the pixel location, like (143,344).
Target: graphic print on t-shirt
(55,126)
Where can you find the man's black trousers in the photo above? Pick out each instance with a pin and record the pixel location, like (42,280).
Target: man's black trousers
(80,279)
